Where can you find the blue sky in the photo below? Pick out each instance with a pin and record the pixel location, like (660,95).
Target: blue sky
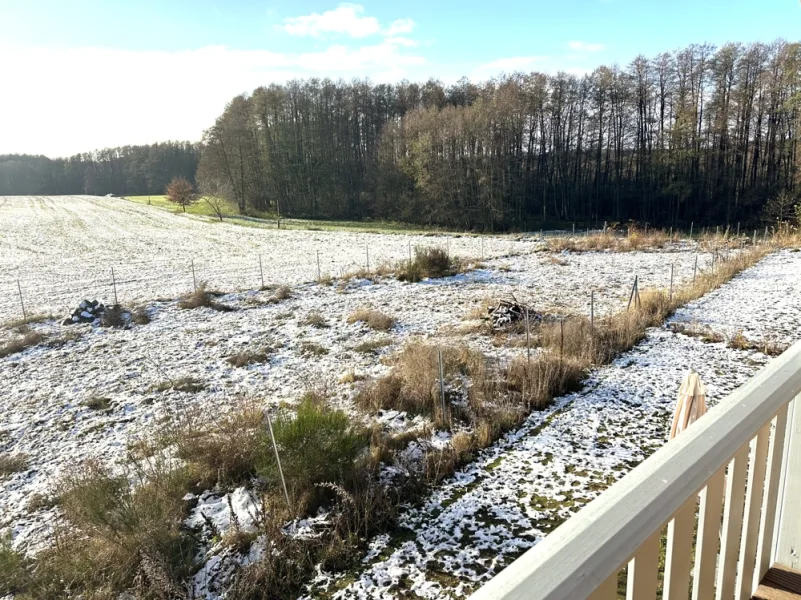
(91,73)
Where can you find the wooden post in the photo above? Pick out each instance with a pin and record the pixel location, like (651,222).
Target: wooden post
(670,294)
(441,381)
(691,228)
(753,242)
(114,286)
(278,462)
(766,233)
(574,229)
(604,226)
(319,275)
(194,278)
(738,228)
(633,291)
(261,272)
(528,338)
(21,301)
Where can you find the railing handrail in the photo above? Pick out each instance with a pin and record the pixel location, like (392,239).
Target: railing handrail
(588,548)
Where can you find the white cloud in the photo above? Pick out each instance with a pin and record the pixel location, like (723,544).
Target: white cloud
(345,19)
(568,63)
(58,101)
(399,26)
(585,46)
(401,41)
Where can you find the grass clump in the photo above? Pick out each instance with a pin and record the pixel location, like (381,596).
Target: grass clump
(249,357)
(316,320)
(201,297)
(183,384)
(114,316)
(428,263)
(313,349)
(29,320)
(18,344)
(374,319)
(280,294)
(372,346)
(12,463)
(97,403)
(140,316)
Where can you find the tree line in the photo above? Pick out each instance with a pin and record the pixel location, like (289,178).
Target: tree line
(131,170)
(702,134)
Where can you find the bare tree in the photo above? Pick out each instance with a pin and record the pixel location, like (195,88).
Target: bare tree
(780,207)
(217,193)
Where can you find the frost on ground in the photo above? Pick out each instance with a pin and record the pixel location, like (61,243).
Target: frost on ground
(524,486)
(94,393)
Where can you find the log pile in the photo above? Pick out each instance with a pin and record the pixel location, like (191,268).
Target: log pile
(508,313)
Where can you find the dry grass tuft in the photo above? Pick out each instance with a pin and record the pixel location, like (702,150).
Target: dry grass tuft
(312,349)
(374,319)
(12,463)
(183,384)
(428,263)
(635,239)
(249,357)
(201,297)
(28,339)
(97,403)
(140,316)
(316,320)
(372,346)
(114,316)
(17,323)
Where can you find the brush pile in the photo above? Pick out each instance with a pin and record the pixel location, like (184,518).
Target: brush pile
(507,313)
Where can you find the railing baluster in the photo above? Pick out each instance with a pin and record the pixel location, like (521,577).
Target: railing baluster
(788,529)
(770,504)
(732,523)
(607,590)
(679,549)
(753,503)
(643,570)
(706,545)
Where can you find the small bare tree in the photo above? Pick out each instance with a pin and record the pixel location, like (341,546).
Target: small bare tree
(218,194)
(779,208)
(181,192)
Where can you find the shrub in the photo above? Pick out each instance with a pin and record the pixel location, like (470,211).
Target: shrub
(114,316)
(374,319)
(316,445)
(13,568)
(140,316)
(222,448)
(428,262)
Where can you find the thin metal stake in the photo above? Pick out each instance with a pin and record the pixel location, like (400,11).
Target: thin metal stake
(633,290)
(695,268)
(561,339)
(367,248)
(753,242)
(21,302)
(319,276)
(691,228)
(114,285)
(592,319)
(261,272)
(194,278)
(278,462)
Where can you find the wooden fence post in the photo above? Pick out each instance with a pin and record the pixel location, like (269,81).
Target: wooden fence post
(278,462)
(114,286)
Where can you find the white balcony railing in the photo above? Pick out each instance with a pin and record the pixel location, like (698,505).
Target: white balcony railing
(737,469)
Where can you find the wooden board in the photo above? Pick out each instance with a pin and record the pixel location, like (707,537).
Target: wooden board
(780,583)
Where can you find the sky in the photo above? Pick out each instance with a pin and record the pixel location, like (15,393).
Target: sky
(84,74)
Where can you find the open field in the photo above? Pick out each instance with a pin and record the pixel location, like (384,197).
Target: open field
(85,392)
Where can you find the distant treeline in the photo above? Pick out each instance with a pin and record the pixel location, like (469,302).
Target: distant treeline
(701,134)
(132,170)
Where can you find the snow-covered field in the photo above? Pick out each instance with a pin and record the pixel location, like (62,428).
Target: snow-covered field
(62,249)
(521,488)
